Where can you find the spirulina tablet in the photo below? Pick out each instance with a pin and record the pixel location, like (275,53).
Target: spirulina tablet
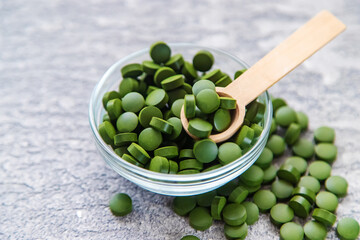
(303,148)
(278,103)
(264,199)
(238,195)
(150,67)
(289,173)
(300,205)
(303,120)
(157,98)
(327,201)
(326,152)
(227,103)
(161,125)
(227,188)
(127,122)
(245,137)
(169,152)
(236,232)
(324,134)
(205,150)
(348,229)
(292,133)
(200,218)
(176,62)
(310,182)
(282,189)
(189,71)
(223,81)
(320,170)
(207,101)
(234,214)
(252,212)
(120,204)
(285,116)
(189,106)
(203,60)
(128,85)
(147,113)
(190,237)
(131,160)
(133,102)
(107,132)
(183,205)
(190,164)
(337,185)
(281,213)
(253,176)
(315,230)
(138,153)
(291,231)
(150,139)
(222,119)
(176,123)
(265,158)
(298,162)
(229,152)
(325,217)
(200,128)
(217,206)
(176,107)
(109,96)
(269,174)
(114,108)
(172,82)
(201,85)
(132,70)
(306,193)
(159,164)
(276,144)
(160,52)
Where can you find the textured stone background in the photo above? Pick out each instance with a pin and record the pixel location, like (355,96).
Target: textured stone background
(54,184)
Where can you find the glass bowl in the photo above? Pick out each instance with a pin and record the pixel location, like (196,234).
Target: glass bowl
(172,184)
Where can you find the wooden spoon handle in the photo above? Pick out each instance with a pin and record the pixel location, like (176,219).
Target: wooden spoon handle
(303,43)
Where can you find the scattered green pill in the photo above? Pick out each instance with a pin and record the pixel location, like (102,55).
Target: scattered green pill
(173,82)
(183,205)
(236,232)
(245,137)
(303,148)
(306,193)
(157,98)
(326,152)
(200,218)
(120,204)
(310,182)
(348,229)
(203,60)
(205,199)
(292,134)
(238,195)
(234,214)
(252,212)
(176,62)
(315,230)
(281,213)
(337,185)
(278,103)
(320,170)
(303,120)
(217,206)
(298,162)
(264,199)
(289,173)
(269,174)
(327,201)
(276,144)
(325,217)
(300,205)
(291,231)
(282,189)
(205,150)
(265,158)
(324,134)
(160,52)
(228,152)
(284,116)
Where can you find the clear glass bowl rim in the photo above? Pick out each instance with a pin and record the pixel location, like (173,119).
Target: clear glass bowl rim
(177,178)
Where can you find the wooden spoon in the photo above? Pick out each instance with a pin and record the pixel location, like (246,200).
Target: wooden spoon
(303,43)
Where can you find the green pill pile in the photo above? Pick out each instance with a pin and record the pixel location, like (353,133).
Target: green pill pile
(301,187)
(142,120)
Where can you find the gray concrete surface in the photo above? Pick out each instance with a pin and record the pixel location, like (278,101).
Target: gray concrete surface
(54,184)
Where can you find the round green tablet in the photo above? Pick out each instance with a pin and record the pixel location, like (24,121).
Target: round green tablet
(160,52)
(281,213)
(326,152)
(223,81)
(159,164)
(298,162)
(289,173)
(183,205)
(169,152)
(315,230)
(150,139)
(273,127)
(132,70)
(203,60)
(255,112)
(265,158)
(324,134)
(120,151)
(157,98)
(337,185)
(176,107)
(302,120)
(128,85)
(190,164)
(348,229)
(236,232)
(201,85)
(172,82)
(278,103)
(276,144)
(213,76)
(282,189)
(253,176)
(303,148)
(189,71)
(229,152)
(245,137)
(127,122)
(320,170)
(257,129)
(120,204)
(107,132)
(238,195)
(264,199)
(269,174)
(306,193)
(300,205)
(325,217)
(292,134)
(186,153)
(207,101)
(227,103)
(138,153)
(162,74)
(222,119)
(131,160)
(234,214)
(190,237)
(178,93)
(252,212)
(176,122)
(133,102)
(205,199)
(227,188)
(149,67)
(161,125)
(199,128)
(114,108)
(285,116)
(217,206)
(189,106)
(205,150)
(327,201)
(200,218)
(109,96)
(291,231)
(175,62)
(309,182)
(173,167)
(147,113)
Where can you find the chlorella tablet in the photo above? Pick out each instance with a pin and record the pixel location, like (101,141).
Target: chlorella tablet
(138,153)
(252,212)
(291,231)
(132,70)
(161,125)
(281,213)
(109,96)
(264,199)
(205,150)
(205,199)
(189,106)
(120,204)
(326,152)
(306,193)
(277,103)
(310,182)
(298,162)
(300,205)
(325,217)
(292,133)
(128,85)
(189,71)
(228,152)
(284,116)
(127,122)
(348,229)
(172,82)
(159,164)
(236,232)
(176,107)
(320,170)
(201,85)
(200,218)
(222,119)
(157,98)
(183,205)
(303,120)
(245,137)
(234,214)
(238,195)
(147,113)
(315,230)
(227,188)
(150,139)
(200,128)
(288,173)
(327,201)
(337,185)
(207,101)
(203,60)
(114,108)
(176,122)
(265,158)
(269,174)
(160,52)
(107,132)
(324,134)
(176,62)
(282,189)
(253,176)
(169,152)
(276,144)
(303,148)
(217,206)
